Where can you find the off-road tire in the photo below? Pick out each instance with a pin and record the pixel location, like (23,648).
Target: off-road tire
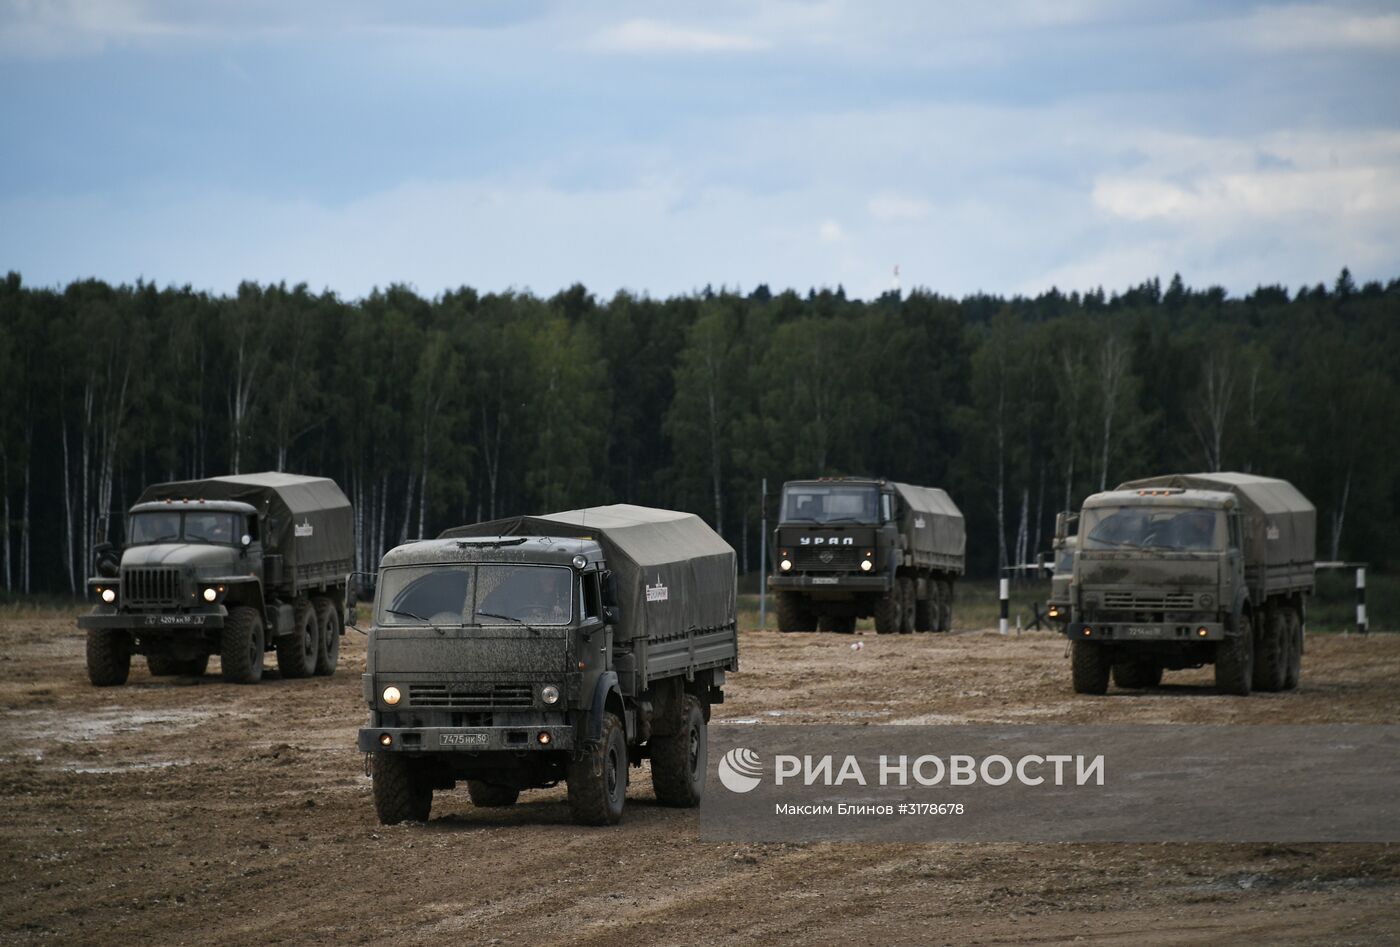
(328,641)
(1294,670)
(1137,673)
(926,610)
(679,762)
(793,615)
(1271,652)
(597,780)
(108,657)
(242,647)
(402,791)
(488,796)
(1234,663)
(1089,667)
(296,652)
(906,610)
(888,611)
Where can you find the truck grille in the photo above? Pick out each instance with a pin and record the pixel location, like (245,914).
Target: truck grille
(1149,601)
(467,697)
(159,587)
(826,557)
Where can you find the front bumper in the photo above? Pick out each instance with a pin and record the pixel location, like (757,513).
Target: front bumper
(1120,631)
(466,739)
(212,618)
(838,582)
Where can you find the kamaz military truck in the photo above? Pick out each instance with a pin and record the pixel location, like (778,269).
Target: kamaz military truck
(1061,567)
(1185,570)
(233,566)
(520,653)
(849,548)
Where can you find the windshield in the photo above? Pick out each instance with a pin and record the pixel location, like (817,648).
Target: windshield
(828,503)
(469,594)
(1181,529)
(201,526)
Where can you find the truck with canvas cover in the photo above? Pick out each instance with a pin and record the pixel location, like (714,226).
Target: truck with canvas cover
(849,548)
(233,566)
(523,652)
(1184,570)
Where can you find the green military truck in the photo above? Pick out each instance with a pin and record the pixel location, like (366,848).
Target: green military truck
(1061,567)
(1184,570)
(848,548)
(232,566)
(520,653)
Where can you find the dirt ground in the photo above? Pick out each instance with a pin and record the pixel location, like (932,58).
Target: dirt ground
(172,811)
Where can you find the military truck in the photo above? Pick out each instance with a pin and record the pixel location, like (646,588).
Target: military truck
(233,566)
(518,653)
(848,548)
(1184,570)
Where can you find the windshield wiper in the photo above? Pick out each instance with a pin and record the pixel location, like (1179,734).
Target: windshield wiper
(406,614)
(846,519)
(506,617)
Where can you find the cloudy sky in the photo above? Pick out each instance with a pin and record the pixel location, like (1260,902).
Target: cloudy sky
(660,147)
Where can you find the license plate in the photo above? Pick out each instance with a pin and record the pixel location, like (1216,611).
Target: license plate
(462,739)
(1140,631)
(174,619)
(824,580)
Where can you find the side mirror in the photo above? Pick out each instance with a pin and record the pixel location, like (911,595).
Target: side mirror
(1063,521)
(609,591)
(611,614)
(107,560)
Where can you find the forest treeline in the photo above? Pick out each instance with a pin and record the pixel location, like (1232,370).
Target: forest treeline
(433,412)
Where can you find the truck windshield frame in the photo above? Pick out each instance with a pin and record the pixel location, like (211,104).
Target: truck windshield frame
(218,527)
(476,594)
(1154,528)
(831,503)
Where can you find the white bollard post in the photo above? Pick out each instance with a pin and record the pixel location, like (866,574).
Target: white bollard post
(1361,600)
(1005,603)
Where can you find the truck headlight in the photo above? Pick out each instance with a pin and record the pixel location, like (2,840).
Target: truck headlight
(210,594)
(785,565)
(108,595)
(549,694)
(866,565)
(392,695)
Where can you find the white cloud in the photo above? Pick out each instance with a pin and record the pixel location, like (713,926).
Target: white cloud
(830,231)
(1304,26)
(653,36)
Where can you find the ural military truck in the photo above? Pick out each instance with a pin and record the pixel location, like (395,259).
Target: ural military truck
(1185,570)
(232,566)
(519,653)
(849,548)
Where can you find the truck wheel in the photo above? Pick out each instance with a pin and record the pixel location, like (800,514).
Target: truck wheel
(793,615)
(907,604)
(489,796)
(1271,652)
(1137,674)
(1295,650)
(679,762)
(402,792)
(242,648)
(888,613)
(296,653)
(108,657)
(924,611)
(945,603)
(1234,663)
(1089,667)
(328,641)
(598,779)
